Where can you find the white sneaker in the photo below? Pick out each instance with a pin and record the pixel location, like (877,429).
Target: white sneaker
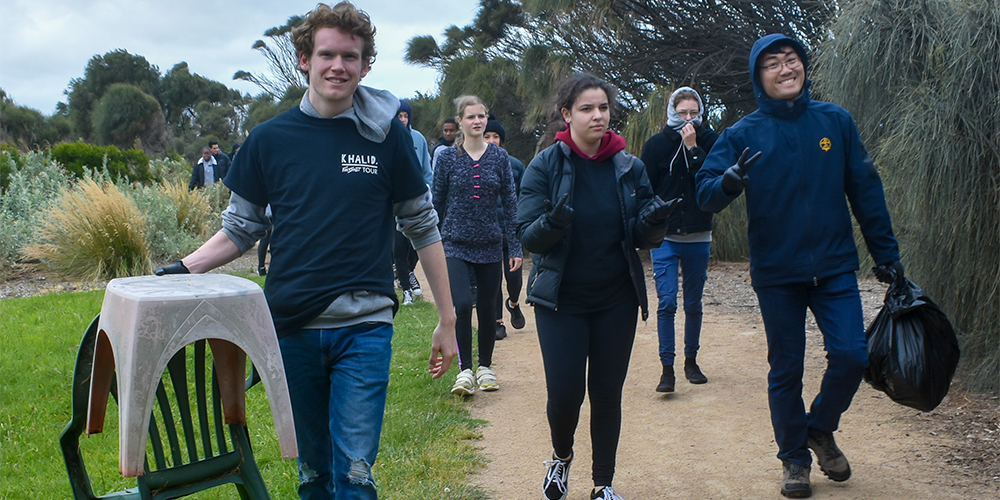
(487,379)
(465,383)
(407,298)
(608,493)
(415,285)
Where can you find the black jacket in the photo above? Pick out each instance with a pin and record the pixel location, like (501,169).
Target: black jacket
(548,177)
(678,182)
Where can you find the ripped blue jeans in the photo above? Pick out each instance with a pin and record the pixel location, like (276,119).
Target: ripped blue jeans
(337,381)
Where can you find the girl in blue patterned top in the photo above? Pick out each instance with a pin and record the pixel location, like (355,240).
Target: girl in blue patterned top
(468,178)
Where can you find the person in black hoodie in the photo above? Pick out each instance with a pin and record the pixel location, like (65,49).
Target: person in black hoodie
(672,157)
(585,206)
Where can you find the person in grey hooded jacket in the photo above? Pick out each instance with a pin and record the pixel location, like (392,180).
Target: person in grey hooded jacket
(339,172)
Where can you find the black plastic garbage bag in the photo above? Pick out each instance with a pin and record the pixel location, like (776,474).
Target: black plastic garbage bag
(912,348)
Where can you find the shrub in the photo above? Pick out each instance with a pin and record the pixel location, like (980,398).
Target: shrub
(34,182)
(176,219)
(12,160)
(93,232)
(130,164)
(170,170)
(729,233)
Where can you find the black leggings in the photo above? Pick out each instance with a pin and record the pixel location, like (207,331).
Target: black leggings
(488,287)
(567,342)
(513,279)
(405,259)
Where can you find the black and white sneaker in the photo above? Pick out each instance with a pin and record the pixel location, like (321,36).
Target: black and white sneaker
(556,483)
(516,316)
(415,285)
(606,493)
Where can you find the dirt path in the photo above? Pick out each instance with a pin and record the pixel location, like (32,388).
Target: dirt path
(712,441)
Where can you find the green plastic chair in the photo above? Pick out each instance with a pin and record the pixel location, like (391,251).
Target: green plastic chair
(186,472)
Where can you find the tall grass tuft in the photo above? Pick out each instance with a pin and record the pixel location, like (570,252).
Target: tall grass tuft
(921,78)
(177,220)
(93,232)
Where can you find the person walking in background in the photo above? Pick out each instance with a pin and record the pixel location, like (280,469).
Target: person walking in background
(339,173)
(808,163)
(205,171)
(495,134)
(449,130)
(585,206)
(403,255)
(672,159)
(469,178)
(223,161)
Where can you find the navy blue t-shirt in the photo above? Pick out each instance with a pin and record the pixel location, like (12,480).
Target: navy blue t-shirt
(331,193)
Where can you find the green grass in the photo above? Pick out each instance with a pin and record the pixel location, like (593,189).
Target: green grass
(428,440)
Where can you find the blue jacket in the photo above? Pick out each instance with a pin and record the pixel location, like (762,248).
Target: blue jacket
(799,225)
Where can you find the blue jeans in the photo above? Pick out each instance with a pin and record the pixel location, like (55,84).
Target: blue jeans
(693,260)
(337,381)
(836,304)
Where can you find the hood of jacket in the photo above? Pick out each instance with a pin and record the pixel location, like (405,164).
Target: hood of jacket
(674,120)
(779,107)
(405,106)
(372,112)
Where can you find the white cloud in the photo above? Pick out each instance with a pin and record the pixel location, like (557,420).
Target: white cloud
(46,43)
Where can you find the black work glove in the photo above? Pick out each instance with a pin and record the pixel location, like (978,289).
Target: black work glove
(658,210)
(175,268)
(560,215)
(735,178)
(890,273)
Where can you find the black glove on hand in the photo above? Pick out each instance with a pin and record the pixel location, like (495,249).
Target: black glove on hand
(735,178)
(560,215)
(175,268)
(658,210)
(889,273)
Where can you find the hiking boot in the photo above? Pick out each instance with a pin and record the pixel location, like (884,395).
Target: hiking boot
(516,316)
(501,331)
(795,481)
(666,380)
(693,373)
(465,383)
(407,298)
(831,460)
(415,285)
(487,379)
(556,483)
(606,493)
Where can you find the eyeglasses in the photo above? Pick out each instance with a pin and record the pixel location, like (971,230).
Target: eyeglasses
(775,66)
(689,113)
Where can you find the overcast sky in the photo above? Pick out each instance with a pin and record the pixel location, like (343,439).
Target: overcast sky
(46,43)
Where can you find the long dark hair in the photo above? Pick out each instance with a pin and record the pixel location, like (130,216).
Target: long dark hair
(569,90)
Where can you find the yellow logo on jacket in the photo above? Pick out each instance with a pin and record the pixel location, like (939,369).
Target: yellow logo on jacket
(825,144)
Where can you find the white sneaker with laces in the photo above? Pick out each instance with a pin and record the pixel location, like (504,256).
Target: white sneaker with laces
(606,493)
(465,383)
(487,379)
(407,298)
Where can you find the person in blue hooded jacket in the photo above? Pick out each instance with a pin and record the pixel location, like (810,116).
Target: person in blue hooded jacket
(404,257)
(808,172)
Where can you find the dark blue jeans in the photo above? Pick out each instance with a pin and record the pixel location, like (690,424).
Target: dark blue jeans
(337,381)
(836,304)
(692,258)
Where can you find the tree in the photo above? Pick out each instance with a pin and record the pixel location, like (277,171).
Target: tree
(117,66)
(282,60)
(638,44)
(27,127)
(126,115)
(921,79)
